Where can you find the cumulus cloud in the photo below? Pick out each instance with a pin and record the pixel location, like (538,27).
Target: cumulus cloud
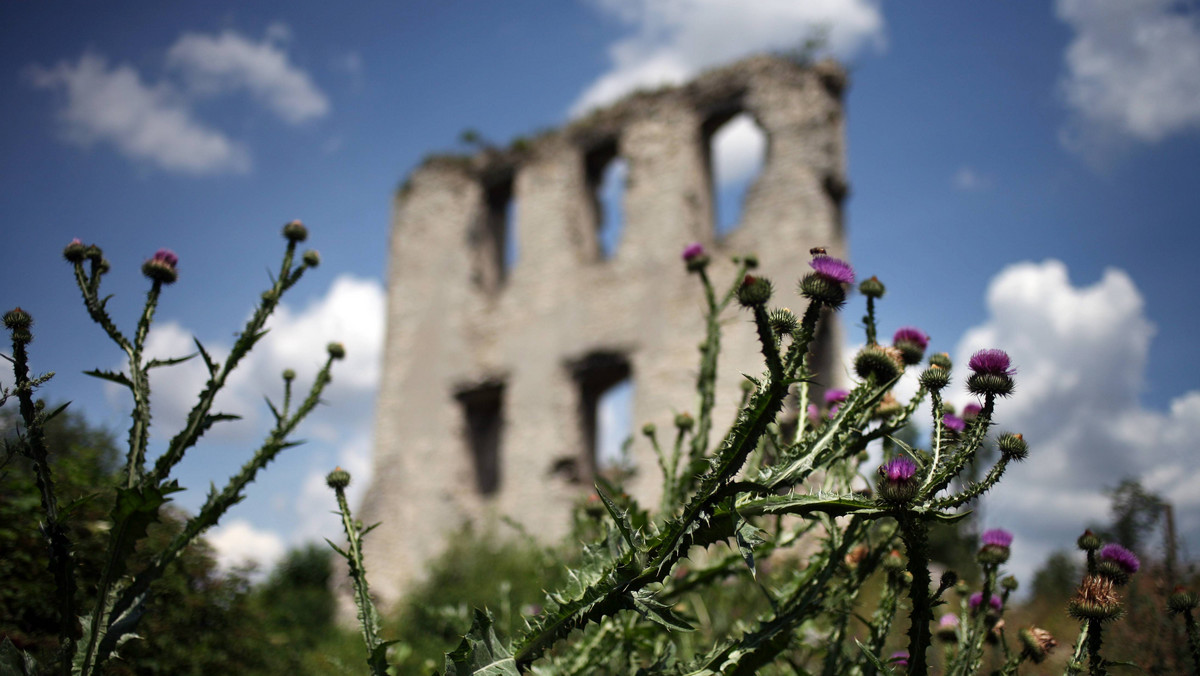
(238,544)
(156,122)
(114,106)
(231,62)
(1081,352)
(351,312)
(670,40)
(1130,70)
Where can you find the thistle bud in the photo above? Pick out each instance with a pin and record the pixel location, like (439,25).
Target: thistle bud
(75,252)
(897,480)
(754,291)
(336,351)
(694,257)
(1009,583)
(881,362)
(295,232)
(338,479)
(942,360)
(888,406)
(935,378)
(93,252)
(1182,601)
(18,321)
(648,429)
(684,421)
(783,321)
(872,288)
(161,267)
(893,562)
(750,261)
(1036,644)
(1013,446)
(311,258)
(289,375)
(1089,541)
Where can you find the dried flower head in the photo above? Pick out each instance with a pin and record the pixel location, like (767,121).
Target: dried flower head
(1036,643)
(1096,599)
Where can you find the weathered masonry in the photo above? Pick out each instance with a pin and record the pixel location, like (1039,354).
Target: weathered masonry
(493,367)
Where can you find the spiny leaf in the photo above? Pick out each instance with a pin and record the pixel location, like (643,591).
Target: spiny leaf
(879,664)
(118,378)
(208,361)
(620,516)
(155,363)
(655,611)
(480,653)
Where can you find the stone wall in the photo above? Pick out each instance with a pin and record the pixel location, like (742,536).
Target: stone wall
(503,357)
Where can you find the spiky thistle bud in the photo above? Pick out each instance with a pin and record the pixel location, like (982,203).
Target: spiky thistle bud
(684,421)
(750,261)
(336,350)
(1036,643)
(694,257)
(295,232)
(311,258)
(75,252)
(338,479)
(783,321)
(888,406)
(1013,446)
(754,291)
(935,378)
(161,267)
(872,288)
(649,429)
(1182,601)
(897,480)
(911,342)
(93,252)
(893,562)
(884,363)
(289,375)
(1089,541)
(18,321)
(992,373)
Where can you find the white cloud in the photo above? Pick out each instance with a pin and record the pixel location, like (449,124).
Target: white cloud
(145,123)
(739,149)
(229,62)
(967,180)
(1131,70)
(239,544)
(671,40)
(1081,356)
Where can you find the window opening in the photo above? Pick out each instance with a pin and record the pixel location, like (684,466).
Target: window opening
(606,408)
(500,232)
(606,175)
(483,411)
(737,152)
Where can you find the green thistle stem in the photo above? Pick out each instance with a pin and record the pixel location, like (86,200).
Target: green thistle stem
(1095,641)
(916,541)
(869,320)
(1193,634)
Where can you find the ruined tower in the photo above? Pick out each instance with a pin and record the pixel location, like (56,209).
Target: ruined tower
(492,371)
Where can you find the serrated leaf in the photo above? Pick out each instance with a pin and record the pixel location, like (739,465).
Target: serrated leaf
(748,536)
(481,653)
(133,512)
(155,363)
(620,516)
(118,378)
(208,362)
(882,667)
(377,660)
(653,610)
(54,414)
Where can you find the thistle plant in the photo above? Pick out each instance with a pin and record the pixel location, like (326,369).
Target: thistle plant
(765,489)
(93,626)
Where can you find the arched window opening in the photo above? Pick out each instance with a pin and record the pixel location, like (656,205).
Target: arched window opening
(606,176)
(499,247)
(483,414)
(605,409)
(737,153)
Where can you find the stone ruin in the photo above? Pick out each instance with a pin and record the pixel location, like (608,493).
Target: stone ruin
(492,371)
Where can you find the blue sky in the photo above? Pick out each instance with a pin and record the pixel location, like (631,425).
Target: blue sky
(1023,176)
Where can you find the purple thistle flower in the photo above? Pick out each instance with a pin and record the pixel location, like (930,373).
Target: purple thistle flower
(948,621)
(693,250)
(833,269)
(166,256)
(814,414)
(997,537)
(994,362)
(971,410)
(898,469)
(911,334)
(899,658)
(953,422)
(977,599)
(835,396)
(1125,559)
